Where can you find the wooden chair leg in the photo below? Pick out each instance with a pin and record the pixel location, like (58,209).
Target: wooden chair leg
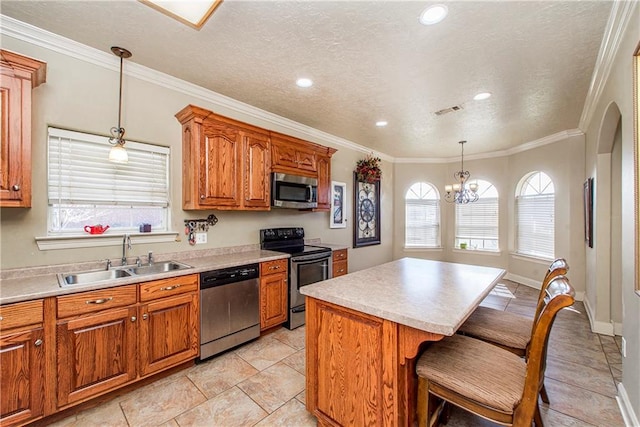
(537,418)
(544,395)
(422,407)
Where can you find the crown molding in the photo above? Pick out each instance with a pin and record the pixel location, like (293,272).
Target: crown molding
(551,139)
(619,19)
(37,36)
(28,33)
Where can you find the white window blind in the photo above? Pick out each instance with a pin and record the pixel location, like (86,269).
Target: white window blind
(422,216)
(535,205)
(477,222)
(84,187)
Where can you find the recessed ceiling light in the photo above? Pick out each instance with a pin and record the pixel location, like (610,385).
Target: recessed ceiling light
(482,95)
(381,123)
(433,14)
(304,82)
(191,12)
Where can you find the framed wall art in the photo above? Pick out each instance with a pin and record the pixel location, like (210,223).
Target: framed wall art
(338,218)
(588,211)
(366,208)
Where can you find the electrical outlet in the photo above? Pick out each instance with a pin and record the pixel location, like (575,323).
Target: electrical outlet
(624,347)
(201,238)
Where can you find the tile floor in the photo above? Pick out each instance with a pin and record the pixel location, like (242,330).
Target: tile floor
(262,383)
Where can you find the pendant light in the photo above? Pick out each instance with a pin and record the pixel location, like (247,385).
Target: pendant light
(118,153)
(461,192)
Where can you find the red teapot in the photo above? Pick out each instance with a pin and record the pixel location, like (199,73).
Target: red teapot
(95,229)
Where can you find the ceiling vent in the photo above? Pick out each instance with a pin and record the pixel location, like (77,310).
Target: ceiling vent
(448,110)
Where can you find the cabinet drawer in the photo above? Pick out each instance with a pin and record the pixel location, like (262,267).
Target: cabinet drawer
(270,267)
(167,287)
(21,314)
(340,255)
(92,301)
(339,268)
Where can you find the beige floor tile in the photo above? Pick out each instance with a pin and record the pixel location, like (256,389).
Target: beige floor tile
(274,386)
(170,423)
(294,338)
(577,353)
(160,403)
(297,361)
(292,413)
(553,418)
(583,404)
(264,352)
(230,408)
(220,373)
(302,397)
(106,415)
(596,380)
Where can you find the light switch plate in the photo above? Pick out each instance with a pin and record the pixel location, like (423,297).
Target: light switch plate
(201,238)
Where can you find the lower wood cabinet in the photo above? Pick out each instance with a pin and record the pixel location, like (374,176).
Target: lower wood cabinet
(340,263)
(22,362)
(273,293)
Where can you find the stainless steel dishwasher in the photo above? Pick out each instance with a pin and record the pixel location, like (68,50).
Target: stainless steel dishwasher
(229,308)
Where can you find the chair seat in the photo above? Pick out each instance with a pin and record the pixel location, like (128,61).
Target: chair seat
(480,371)
(500,327)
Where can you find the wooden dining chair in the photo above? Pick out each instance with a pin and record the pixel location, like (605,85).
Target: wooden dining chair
(485,379)
(508,330)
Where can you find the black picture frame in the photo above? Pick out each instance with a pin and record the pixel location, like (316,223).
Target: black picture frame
(588,211)
(366,213)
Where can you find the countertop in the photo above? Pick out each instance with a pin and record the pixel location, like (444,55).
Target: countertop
(432,296)
(46,284)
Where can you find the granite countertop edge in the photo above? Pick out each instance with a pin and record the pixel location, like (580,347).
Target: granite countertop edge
(20,289)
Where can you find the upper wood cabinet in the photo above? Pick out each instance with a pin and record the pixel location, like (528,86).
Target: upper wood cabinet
(20,74)
(292,155)
(225,163)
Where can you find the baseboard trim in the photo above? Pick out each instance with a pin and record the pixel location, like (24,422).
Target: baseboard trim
(598,327)
(628,415)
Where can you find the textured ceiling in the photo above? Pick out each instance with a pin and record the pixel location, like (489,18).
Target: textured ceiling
(370,61)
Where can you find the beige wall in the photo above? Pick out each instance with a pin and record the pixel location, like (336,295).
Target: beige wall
(82,96)
(563,161)
(617,93)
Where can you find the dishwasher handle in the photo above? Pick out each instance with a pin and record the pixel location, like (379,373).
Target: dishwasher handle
(225,276)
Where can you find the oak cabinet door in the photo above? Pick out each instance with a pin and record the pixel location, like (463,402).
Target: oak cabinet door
(219,166)
(22,372)
(256,163)
(96,352)
(273,300)
(324,183)
(168,332)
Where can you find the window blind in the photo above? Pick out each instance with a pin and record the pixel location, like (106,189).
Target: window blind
(477,220)
(80,172)
(535,225)
(422,223)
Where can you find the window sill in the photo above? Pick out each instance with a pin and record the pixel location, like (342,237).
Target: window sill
(422,248)
(531,258)
(48,243)
(478,252)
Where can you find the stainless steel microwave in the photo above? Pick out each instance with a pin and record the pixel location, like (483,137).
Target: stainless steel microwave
(293,191)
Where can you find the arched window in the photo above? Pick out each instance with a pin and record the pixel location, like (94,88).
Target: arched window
(422,216)
(535,202)
(477,222)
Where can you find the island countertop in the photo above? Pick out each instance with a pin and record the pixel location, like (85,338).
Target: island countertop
(431,296)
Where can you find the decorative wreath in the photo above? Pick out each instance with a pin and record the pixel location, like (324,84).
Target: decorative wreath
(368,169)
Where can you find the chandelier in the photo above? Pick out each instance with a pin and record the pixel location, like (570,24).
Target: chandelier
(461,192)
(118,153)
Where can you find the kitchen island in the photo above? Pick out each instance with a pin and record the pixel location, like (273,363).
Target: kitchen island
(365,330)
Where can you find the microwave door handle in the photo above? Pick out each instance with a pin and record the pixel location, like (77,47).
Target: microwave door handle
(309,193)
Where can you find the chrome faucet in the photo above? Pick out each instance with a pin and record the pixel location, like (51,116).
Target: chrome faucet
(126,243)
(150,258)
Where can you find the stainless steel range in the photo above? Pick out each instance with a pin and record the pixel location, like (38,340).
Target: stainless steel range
(308,264)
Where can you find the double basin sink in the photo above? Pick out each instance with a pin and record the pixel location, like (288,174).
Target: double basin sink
(94,276)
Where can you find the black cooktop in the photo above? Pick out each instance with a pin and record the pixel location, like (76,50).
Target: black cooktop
(289,240)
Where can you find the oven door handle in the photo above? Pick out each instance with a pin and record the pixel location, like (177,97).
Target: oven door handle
(305,261)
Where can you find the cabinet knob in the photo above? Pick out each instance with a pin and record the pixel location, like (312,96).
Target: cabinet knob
(38,342)
(145,316)
(15,187)
(134,318)
(202,197)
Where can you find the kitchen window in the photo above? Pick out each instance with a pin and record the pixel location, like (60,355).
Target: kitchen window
(85,188)
(422,216)
(477,222)
(535,218)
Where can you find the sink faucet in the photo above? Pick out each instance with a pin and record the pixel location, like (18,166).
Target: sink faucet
(126,243)
(150,258)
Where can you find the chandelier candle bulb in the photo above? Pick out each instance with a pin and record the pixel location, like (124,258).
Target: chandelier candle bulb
(448,188)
